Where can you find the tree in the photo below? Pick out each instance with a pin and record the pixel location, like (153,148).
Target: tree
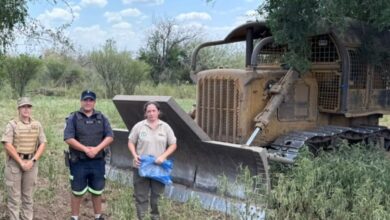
(62,70)
(226,55)
(20,70)
(117,69)
(12,13)
(293,21)
(2,70)
(166,53)
(14,16)
(55,69)
(134,73)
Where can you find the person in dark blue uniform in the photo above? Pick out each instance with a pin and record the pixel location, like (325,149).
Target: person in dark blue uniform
(88,133)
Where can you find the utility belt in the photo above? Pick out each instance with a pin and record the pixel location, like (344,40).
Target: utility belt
(26,156)
(73,156)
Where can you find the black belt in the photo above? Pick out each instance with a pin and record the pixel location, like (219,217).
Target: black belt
(26,156)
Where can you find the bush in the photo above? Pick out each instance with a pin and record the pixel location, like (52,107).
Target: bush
(350,183)
(179,91)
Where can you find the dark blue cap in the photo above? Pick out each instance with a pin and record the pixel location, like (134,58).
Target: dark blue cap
(88,94)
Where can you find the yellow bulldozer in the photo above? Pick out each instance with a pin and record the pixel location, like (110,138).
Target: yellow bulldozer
(267,111)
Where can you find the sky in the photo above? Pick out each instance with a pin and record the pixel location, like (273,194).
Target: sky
(128,21)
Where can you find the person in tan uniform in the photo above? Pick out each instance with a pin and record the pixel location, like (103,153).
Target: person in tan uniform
(24,141)
(155,137)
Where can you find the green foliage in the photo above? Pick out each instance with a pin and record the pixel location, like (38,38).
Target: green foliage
(62,70)
(134,73)
(166,52)
(12,13)
(2,70)
(122,206)
(55,69)
(117,69)
(20,71)
(385,121)
(226,56)
(252,189)
(192,209)
(180,91)
(293,21)
(14,18)
(350,183)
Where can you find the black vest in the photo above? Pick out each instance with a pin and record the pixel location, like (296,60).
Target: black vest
(89,132)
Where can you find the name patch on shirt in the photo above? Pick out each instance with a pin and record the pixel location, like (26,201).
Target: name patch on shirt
(89,122)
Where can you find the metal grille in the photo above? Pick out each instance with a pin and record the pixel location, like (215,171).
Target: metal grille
(358,67)
(323,49)
(218,108)
(381,78)
(329,90)
(271,54)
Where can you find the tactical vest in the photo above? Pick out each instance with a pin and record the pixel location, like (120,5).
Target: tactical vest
(26,136)
(89,132)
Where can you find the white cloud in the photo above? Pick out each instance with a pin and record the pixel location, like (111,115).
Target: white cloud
(133,12)
(124,36)
(76,9)
(193,16)
(83,36)
(58,15)
(218,33)
(193,26)
(113,16)
(251,15)
(149,2)
(118,16)
(122,25)
(100,3)
(122,33)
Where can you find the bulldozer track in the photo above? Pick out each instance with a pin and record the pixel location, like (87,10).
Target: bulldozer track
(327,137)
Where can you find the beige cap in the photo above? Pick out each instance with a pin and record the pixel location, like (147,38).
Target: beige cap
(24,101)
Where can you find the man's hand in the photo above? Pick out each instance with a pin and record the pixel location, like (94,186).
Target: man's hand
(27,165)
(92,151)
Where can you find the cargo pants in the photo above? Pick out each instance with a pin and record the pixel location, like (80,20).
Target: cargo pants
(20,188)
(142,188)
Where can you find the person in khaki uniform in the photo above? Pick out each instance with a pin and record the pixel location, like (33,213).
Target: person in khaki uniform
(155,137)
(24,141)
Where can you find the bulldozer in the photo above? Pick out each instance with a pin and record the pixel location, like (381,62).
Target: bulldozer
(267,111)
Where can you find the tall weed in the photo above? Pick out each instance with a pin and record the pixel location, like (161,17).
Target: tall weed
(350,183)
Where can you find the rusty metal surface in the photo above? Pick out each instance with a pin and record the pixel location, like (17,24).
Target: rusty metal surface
(198,161)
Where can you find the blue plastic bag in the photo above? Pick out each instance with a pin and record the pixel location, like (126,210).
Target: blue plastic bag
(159,172)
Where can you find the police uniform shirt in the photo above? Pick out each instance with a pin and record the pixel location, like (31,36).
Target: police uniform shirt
(8,135)
(70,130)
(150,141)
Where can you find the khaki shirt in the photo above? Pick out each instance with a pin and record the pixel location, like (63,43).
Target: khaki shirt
(8,135)
(149,141)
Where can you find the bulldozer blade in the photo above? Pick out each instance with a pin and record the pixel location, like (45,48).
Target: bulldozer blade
(198,161)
